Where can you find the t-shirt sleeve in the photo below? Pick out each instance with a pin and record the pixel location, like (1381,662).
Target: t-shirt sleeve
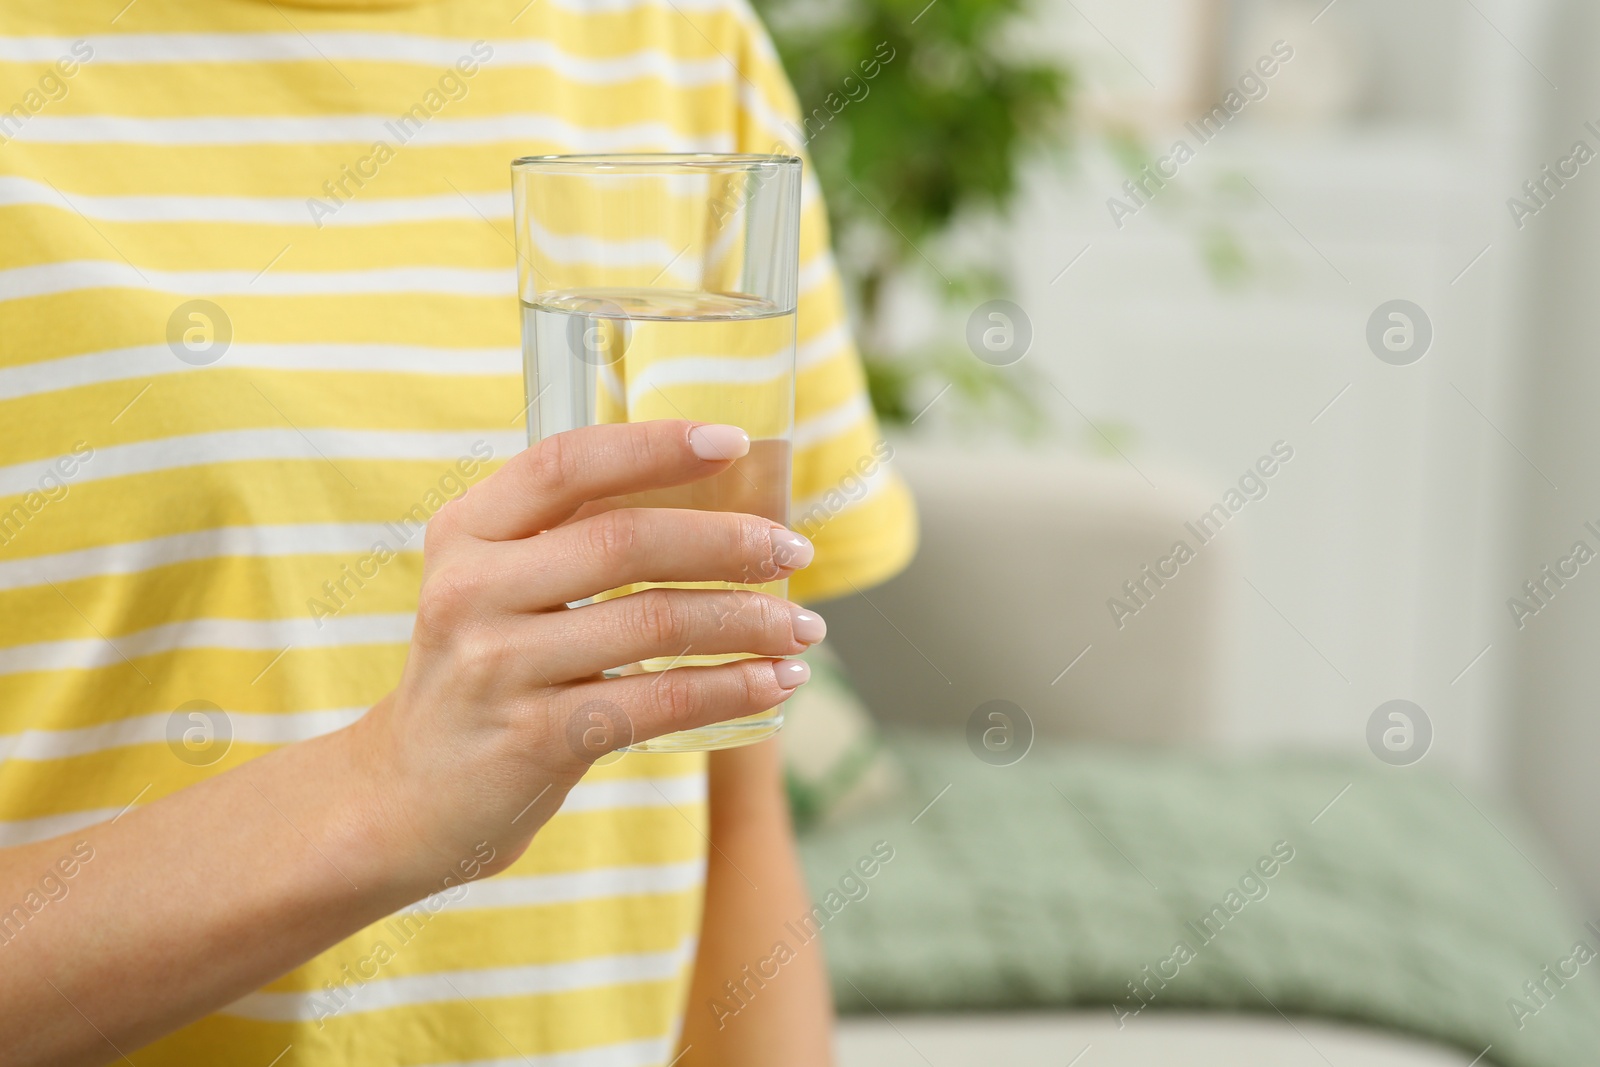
(847,496)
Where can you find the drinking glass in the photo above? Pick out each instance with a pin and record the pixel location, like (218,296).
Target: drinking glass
(664,287)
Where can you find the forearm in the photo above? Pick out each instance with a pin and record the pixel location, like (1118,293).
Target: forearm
(192,901)
(779,1012)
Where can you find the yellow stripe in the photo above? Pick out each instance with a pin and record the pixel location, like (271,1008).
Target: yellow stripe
(56,324)
(283,281)
(301,678)
(434,1033)
(268,493)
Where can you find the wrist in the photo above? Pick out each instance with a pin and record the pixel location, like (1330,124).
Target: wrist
(372,823)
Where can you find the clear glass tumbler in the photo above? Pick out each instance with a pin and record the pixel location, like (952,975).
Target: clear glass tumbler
(664,287)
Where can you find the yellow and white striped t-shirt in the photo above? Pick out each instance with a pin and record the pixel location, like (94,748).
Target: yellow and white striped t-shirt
(241,356)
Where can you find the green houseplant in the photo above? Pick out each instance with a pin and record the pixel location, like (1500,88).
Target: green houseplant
(936,136)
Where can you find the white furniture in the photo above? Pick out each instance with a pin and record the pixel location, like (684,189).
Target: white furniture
(1017,562)
(1020,555)
(1083,1039)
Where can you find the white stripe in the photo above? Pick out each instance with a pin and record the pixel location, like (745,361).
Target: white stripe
(148,361)
(264,635)
(132,557)
(875,482)
(759,40)
(584,797)
(483,983)
(293,211)
(205,48)
(612,793)
(268,541)
(724,370)
(364,130)
(275,211)
(824,346)
(786,134)
(592,7)
(537,890)
(381,47)
(708,370)
(47,279)
(831,423)
(362,210)
(27,831)
(240,446)
(291,727)
(651,1052)
(247,727)
(581,248)
(819,270)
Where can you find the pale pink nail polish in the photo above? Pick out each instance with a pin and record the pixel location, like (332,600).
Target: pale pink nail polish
(809,627)
(791,673)
(715,441)
(789,550)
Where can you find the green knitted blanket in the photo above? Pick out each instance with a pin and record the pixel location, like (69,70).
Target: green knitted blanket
(1139,881)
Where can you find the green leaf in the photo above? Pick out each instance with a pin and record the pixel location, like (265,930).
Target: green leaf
(937,133)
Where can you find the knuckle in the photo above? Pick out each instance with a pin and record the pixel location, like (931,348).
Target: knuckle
(658,617)
(675,696)
(743,613)
(614,535)
(728,608)
(755,683)
(475,584)
(441,529)
(440,605)
(550,461)
(644,446)
(753,544)
(482,655)
(772,616)
(750,536)
(448,603)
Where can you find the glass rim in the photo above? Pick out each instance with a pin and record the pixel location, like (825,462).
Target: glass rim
(646,161)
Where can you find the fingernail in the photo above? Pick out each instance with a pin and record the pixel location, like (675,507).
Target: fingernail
(791,673)
(789,550)
(714,441)
(809,628)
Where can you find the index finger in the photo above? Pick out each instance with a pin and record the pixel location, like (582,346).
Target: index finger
(542,486)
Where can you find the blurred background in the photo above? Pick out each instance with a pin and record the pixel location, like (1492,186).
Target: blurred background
(1304,287)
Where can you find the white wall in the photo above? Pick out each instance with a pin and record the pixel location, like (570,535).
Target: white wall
(1380,554)
(1555,737)
(1356,525)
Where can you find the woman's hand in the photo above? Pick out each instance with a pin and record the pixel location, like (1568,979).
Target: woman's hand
(502,706)
(494,719)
